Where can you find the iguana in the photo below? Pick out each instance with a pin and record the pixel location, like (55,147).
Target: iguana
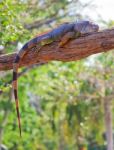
(62,33)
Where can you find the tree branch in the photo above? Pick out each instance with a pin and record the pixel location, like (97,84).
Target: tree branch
(76,49)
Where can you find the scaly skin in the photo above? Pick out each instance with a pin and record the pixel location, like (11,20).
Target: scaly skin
(63,33)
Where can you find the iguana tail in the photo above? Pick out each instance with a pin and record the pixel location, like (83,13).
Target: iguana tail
(19,56)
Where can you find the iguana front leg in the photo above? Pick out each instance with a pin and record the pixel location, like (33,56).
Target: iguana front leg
(68,36)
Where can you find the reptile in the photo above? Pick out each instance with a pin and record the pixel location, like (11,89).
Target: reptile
(63,34)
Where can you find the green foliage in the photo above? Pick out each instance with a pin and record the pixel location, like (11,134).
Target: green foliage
(61,104)
(10,26)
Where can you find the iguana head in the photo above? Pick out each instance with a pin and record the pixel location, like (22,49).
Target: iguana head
(84,27)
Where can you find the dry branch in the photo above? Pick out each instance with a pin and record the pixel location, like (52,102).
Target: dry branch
(76,49)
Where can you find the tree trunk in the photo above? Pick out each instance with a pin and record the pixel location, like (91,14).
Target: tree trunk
(108,123)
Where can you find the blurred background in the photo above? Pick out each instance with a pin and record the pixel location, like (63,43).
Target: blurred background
(63,105)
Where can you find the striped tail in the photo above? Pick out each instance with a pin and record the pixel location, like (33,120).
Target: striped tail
(19,56)
(17,60)
(14,84)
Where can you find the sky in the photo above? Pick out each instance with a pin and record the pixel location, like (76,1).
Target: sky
(105,8)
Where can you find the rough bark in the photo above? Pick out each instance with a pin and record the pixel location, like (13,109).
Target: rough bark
(76,49)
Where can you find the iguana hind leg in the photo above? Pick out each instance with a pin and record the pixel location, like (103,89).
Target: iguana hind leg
(44,41)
